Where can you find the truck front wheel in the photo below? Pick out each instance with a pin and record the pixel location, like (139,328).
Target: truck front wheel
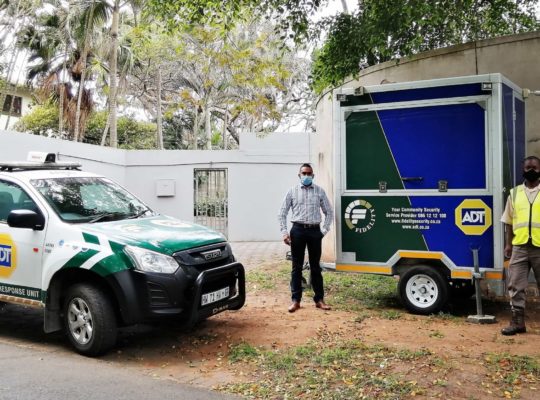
(89,320)
(423,290)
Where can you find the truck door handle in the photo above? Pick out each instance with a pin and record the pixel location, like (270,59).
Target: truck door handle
(412,178)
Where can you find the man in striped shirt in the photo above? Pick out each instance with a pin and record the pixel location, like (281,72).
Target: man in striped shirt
(306,200)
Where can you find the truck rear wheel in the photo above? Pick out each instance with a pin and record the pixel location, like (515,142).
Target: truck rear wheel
(423,290)
(89,320)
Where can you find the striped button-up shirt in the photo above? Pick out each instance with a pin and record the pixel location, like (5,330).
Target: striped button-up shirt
(306,203)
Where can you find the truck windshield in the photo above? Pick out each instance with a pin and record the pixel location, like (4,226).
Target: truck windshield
(89,199)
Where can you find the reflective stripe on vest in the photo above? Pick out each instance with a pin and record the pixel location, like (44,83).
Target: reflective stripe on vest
(526,217)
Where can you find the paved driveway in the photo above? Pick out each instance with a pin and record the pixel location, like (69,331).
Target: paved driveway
(43,367)
(253,254)
(49,373)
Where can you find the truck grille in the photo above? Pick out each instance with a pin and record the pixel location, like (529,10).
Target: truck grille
(205,257)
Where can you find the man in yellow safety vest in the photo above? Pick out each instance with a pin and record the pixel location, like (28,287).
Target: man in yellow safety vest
(522,219)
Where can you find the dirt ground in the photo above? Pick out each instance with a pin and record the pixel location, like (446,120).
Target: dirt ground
(201,357)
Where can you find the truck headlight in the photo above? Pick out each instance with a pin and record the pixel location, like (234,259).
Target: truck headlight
(150,261)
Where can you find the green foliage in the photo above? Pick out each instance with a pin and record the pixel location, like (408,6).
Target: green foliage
(42,120)
(510,373)
(360,291)
(243,79)
(330,368)
(269,279)
(132,134)
(292,15)
(389,29)
(391,314)
(176,127)
(334,61)
(242,352)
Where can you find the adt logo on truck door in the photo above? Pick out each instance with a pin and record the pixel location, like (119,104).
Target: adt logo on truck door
(473,217)
(8,256)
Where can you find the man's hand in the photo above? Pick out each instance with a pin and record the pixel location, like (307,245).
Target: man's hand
(287,240)
(508,251)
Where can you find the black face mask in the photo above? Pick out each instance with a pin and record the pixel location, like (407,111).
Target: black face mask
(531,175)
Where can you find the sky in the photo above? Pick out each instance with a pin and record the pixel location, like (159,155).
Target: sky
(334,6)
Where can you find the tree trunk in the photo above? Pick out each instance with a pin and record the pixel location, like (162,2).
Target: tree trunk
(8,80)
(208,128)
(12,26)
(195,128)
(113,72)
(105,130)
(159,115)
(344,5)
(84,55)
(62,90)
(224,131)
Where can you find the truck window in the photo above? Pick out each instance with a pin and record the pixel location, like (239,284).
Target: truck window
(12,197)
(82,199)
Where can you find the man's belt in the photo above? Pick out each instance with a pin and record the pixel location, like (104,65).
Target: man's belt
(306,226)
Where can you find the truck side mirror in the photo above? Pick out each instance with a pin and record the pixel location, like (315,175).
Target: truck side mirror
(26,219)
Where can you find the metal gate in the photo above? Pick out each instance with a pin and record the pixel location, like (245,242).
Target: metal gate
(211,199)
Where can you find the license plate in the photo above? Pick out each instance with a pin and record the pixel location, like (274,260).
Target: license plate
(212,297)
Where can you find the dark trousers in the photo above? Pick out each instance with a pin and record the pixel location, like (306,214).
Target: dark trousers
(524,258)
(300,239)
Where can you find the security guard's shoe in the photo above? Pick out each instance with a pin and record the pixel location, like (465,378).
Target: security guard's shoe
(517,324)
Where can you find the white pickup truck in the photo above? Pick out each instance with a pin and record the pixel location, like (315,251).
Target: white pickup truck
(95,257)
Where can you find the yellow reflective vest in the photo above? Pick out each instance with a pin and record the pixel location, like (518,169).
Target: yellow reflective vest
(526,217)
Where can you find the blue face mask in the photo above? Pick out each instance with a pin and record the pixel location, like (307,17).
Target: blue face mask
(306,180)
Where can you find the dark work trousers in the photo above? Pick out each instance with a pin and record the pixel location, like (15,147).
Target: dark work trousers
(300,238)
(524,258)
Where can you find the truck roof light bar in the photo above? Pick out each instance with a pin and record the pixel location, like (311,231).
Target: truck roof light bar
(30,165)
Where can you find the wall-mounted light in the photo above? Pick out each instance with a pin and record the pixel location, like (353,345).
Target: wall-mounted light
(527,92)
(359,91)
(487,86)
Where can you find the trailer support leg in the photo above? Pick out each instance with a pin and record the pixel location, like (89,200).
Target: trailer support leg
(479,318)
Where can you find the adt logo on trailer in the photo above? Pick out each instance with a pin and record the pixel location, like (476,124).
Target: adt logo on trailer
(473,216)
(8,256)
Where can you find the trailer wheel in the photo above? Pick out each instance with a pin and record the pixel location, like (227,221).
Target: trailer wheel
(423,290)
(89,320)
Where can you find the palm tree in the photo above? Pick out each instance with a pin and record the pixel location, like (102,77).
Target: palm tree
(120,62)
(60,48)
(93,13)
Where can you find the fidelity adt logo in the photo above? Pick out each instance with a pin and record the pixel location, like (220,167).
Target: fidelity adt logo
(7,256)
(473,216)
(360,216)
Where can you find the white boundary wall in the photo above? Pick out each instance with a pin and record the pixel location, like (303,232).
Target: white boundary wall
(260,173)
